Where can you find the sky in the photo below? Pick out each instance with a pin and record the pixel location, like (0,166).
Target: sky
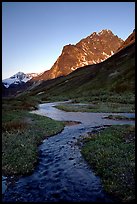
(34,33)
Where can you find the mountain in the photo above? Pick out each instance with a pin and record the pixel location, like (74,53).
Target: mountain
(128,41)
(116,75)
(91,50)
(18,78)
(96,75)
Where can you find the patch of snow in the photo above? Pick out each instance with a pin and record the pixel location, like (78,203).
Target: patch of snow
(101,32)
(16,82)
(98,61)
(8,81)
(66,81)
(40,93)
(102,60)
(6,85)
(83,58)
(31,75)
(94,61)
(72,68)
(106,54)
(90,62)
(85,63)
(113,74)
(26,79)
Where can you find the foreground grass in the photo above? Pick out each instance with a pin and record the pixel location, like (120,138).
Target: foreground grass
(111,153)
(22,132)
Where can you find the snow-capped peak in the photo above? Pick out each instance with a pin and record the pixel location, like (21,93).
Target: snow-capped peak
(18,78)
(104,31)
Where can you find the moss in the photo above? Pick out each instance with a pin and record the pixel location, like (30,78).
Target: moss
(111,153)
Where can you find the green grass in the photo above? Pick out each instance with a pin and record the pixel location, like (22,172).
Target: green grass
(22,132)
(23,102)
(100,101)
(97,106)
(111,153)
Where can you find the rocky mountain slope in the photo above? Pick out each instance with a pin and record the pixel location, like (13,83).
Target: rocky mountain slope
(128,41)
(91,50)
(116,75)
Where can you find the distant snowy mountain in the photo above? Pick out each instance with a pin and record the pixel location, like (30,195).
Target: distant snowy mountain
(18,78)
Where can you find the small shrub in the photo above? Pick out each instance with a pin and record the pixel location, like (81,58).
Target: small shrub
(13,126)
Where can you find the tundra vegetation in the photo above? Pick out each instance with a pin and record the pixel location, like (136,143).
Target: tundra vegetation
(22,132)
(111,154)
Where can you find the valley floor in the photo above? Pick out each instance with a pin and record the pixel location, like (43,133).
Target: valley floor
(111,152)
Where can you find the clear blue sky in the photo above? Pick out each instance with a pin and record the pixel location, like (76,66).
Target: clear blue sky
(34,33)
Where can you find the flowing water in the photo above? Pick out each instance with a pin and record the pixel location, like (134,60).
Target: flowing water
(62,174)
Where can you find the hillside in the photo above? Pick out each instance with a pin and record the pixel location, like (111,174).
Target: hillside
(128,41)
(115,75)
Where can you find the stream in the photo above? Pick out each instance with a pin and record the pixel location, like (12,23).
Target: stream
(62,174)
